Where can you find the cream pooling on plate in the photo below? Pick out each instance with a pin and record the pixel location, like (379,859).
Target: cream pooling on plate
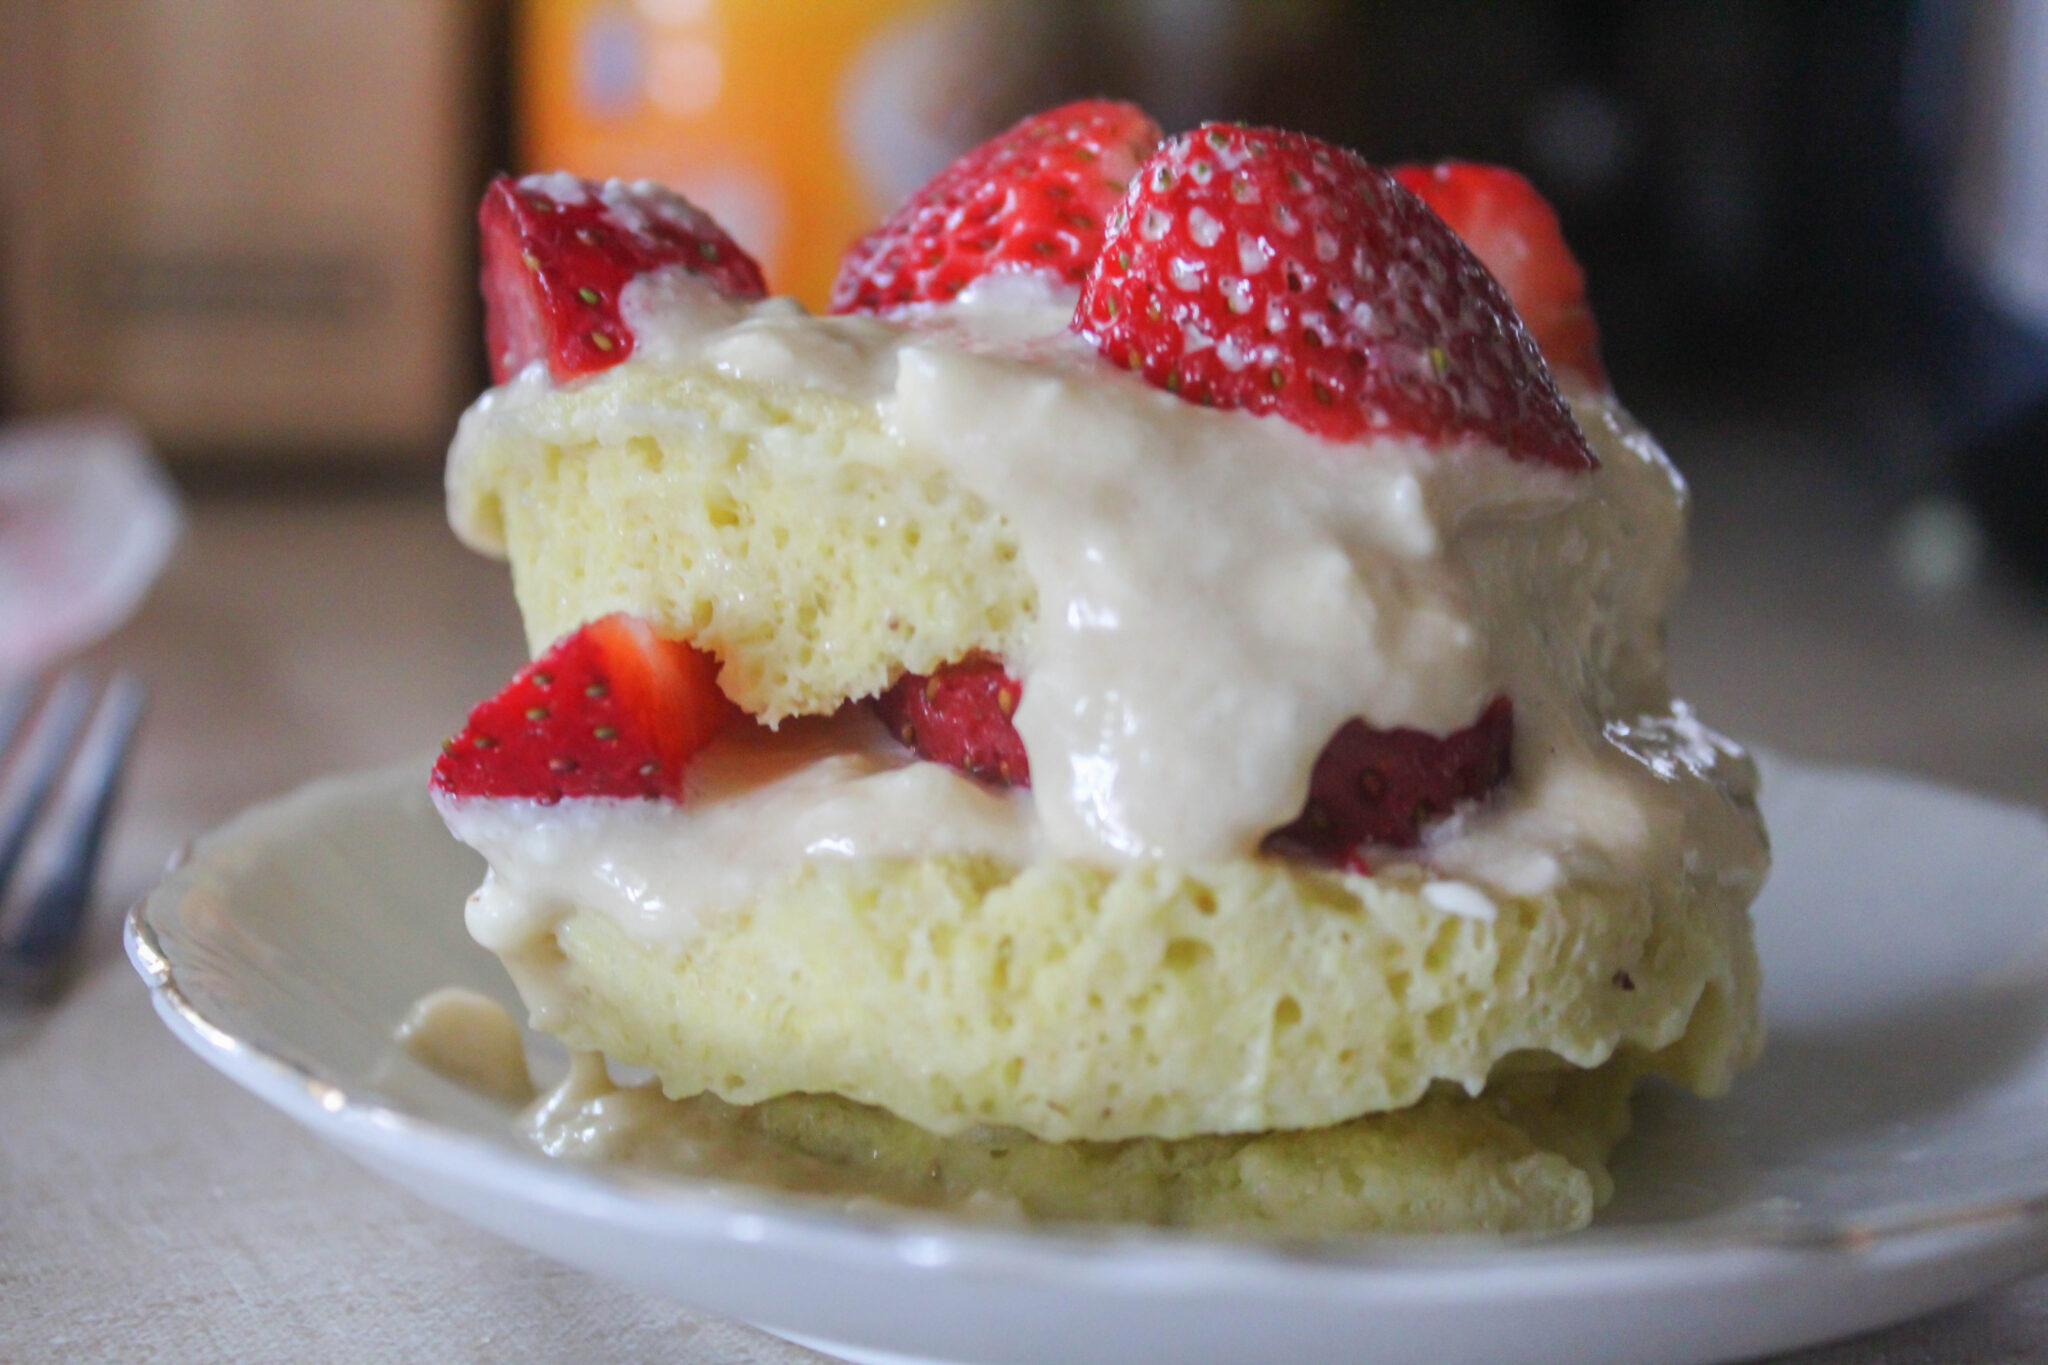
(1217,594)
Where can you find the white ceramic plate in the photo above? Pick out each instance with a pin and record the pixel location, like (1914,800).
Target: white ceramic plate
(1889,1156)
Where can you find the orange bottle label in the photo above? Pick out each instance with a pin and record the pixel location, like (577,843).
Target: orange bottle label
(796,123)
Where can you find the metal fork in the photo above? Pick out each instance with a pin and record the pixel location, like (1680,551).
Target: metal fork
(60,769)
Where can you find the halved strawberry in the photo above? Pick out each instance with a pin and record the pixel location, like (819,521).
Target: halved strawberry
(610,710)
(1515,234)
(557,250)
(1384,786)
(1266,270)
(1033,198)
(960,716)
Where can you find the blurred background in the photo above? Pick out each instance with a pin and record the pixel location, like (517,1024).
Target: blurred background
(240,232)
(246,223)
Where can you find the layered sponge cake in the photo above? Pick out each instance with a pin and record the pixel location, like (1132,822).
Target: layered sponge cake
(1154,710)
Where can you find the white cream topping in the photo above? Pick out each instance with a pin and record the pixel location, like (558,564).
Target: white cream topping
(757,803)
(1175,667)
(1218,593)
(1458,898)
(470,1039)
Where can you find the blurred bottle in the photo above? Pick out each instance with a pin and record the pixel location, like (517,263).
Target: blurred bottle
(797,123)
(1985,111)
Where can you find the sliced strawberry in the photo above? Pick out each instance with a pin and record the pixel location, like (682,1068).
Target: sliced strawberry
(1382,787)
(611,710)
(1269,271)
(557,250)
(960,715)
(1033,198)
(1515,234)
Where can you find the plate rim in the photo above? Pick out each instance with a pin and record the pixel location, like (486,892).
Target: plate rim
(1130,1258)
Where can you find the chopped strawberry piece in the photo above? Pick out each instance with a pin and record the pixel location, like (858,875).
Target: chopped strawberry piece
(1382,787)
(557,250)
(960,716)
(1033,198)
(611,710)
(1269,271)
(1515,233)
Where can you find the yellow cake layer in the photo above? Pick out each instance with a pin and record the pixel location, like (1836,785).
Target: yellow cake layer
(1073,1001)
(1529,1155)
(774,527)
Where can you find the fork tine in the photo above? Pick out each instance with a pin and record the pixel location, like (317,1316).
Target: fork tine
(39,943)
(39,762)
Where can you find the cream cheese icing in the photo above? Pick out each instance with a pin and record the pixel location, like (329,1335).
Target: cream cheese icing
(1218,593)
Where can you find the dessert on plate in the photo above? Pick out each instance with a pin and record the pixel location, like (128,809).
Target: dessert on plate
(1153,708)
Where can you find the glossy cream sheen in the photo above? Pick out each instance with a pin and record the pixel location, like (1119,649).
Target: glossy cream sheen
(1218,593)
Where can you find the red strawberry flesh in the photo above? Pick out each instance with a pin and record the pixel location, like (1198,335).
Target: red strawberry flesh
(557,252)
(960,716)
(1269,271)
(610,710)
(1383,787)
(1033,198)
(1516,235)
